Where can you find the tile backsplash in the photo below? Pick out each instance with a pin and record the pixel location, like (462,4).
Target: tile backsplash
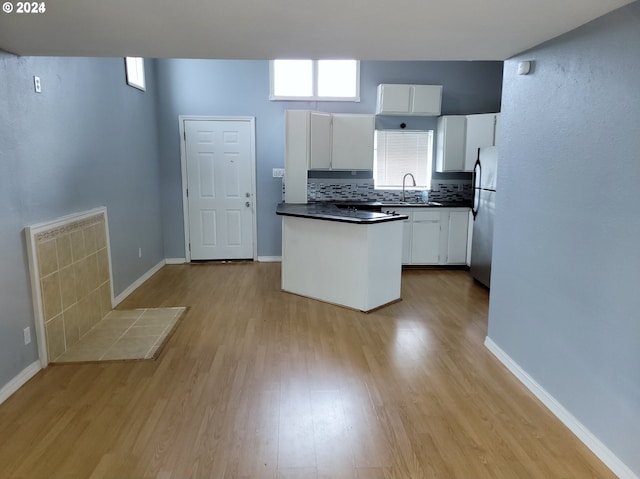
(443,191)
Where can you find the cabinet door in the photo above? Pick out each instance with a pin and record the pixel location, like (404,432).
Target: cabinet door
(393,99)
(450,147)
(319,140)
(352,142)
(296,156)
(426,99)
(480,133)
(406,235)
(425,238)
(457,237)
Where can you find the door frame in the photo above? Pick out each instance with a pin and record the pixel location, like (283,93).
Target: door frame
(183,166)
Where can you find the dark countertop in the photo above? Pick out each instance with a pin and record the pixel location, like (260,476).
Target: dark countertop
(331,212)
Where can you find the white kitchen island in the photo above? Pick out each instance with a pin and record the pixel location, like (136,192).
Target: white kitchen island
(345,257)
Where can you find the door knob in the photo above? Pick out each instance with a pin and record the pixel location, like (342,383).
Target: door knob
(248,195)
(247,204)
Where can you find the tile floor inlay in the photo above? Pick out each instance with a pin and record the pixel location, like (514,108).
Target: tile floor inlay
(125,334)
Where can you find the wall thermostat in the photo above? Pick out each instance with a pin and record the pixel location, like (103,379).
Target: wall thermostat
(524,68)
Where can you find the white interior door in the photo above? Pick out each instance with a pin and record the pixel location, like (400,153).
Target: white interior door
(220,206)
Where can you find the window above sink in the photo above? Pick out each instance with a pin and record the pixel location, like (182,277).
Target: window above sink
(398,152)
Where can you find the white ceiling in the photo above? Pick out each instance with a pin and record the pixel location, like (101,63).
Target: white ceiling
(266,29)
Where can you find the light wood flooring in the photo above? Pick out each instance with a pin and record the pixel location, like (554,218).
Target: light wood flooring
(257,383)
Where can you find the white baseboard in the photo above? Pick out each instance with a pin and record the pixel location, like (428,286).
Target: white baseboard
(261,259)
(19,381)
(270,259)
(618,467)
(136,284)
(175,260)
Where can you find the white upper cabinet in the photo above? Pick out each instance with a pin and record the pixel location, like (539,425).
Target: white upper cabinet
(323,141)
(319,140)
(481,132)
(450,143)
(416,100)
(296,155)
(459,137)
(352,141)
(394,99)
(426,100)
(341,141)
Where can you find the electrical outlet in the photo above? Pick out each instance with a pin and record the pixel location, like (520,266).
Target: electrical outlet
(27,335)
(37,86)
(139,252)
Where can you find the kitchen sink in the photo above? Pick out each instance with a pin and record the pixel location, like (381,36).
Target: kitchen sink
(381,205)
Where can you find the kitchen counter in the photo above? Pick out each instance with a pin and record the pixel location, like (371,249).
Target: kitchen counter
(340,255)
(342,212)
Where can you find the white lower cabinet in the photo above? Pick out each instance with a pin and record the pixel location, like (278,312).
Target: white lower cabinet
(425,237)
(406,237)
(457,236)
(435,236)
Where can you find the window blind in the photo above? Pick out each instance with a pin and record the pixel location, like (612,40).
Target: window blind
(398,152)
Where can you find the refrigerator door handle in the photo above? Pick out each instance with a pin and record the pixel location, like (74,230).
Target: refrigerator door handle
(477,178)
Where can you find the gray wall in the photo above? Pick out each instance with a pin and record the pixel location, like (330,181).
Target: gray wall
(87,140)
(241,88)
(565,298)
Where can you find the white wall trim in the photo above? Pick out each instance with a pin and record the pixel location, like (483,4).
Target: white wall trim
(136,284)
(175,260)
(618,467)
(270,259)
(19,381)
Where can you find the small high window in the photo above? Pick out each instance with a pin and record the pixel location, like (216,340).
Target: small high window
(315,80)
(134,67)
(398,152)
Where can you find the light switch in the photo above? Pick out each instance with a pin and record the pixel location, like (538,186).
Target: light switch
(278,172)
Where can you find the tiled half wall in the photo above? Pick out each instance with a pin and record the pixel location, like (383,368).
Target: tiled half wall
(70,272)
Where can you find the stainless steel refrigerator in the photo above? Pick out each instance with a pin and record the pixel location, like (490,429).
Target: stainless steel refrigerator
(484,201)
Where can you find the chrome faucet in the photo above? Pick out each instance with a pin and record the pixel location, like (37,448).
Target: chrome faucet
(402,198)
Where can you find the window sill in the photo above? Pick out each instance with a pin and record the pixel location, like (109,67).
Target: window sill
(399,188)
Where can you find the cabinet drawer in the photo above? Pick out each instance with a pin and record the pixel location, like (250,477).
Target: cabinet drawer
(426,216)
